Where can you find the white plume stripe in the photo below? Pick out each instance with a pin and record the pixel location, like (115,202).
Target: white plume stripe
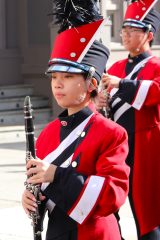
(151,6)
(64,144)
(141,94)
(121,110)
(91,41)
(88,199)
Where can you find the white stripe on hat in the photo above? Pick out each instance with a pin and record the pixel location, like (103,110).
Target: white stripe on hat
(92,40)
(151,6)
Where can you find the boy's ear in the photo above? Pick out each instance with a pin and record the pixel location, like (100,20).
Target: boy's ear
(94,82)
(92,85)
(150,36)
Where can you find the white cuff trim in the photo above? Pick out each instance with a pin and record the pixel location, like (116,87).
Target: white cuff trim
(88,199)
(141,94)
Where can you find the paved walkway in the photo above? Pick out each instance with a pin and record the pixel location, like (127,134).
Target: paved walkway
(14,224)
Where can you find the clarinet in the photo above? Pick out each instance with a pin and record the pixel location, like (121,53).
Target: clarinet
(105,111)
(31,153)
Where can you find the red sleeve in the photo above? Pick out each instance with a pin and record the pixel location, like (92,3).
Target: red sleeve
(111,164)
(142,92)
(153,96)
(148,90)
(104,192)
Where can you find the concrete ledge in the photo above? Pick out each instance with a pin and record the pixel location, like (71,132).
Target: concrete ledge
(13,134)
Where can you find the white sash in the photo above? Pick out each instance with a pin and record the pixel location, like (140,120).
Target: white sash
(64,144)
(50,205)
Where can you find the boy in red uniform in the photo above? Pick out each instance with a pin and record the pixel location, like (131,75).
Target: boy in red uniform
(82,168)
(135,105)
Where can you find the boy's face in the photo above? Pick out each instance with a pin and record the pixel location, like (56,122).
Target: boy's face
(133,38)
(70,90)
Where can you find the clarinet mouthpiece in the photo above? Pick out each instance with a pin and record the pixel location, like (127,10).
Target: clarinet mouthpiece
(27,101)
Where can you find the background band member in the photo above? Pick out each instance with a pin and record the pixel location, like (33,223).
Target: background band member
(135,105)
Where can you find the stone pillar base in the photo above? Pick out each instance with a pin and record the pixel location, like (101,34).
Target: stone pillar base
(10,67)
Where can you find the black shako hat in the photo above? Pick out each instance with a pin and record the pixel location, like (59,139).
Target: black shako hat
(97,57)
(75,48)
(141,14)
(153,19)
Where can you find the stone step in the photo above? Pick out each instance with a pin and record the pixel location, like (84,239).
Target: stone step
(12,134)
(16,90)
(16,117)
(16,103)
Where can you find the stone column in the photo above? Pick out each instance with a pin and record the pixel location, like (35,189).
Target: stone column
(2,24)
(106,32)
(10,59)
(53,33)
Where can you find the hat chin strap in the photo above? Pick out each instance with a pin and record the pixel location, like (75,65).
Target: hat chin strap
(142,42)
(91,72)
(148,28)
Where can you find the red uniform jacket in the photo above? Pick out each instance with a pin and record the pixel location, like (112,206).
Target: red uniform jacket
(139,113)
(91,180)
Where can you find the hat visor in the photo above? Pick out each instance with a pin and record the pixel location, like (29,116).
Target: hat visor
(129,24)
(134,23)
(63,68)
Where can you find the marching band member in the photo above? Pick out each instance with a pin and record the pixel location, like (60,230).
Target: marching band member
(81,154)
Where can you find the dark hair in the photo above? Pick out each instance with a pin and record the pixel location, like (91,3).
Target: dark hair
(94,93)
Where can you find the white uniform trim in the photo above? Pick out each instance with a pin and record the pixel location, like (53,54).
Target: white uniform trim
(88,199)
(142,94)
(116,101)
(137,104)
(67,162)
(121,110)
(138,66)
(64,144)
(50,205)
